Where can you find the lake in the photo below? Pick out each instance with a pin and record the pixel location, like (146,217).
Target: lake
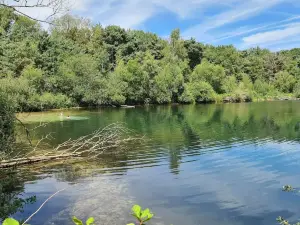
(201,164)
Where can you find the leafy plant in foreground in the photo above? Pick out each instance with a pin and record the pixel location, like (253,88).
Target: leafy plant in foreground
(10,221)
(90,221)
(141,215)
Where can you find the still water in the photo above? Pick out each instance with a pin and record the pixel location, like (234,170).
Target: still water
(203,164)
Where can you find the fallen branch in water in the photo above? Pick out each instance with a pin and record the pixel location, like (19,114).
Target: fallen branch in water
(114,136)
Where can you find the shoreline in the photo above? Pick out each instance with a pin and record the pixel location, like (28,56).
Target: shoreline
(169,104)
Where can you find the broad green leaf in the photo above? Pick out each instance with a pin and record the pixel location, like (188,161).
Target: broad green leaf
(145,213)
(77,221)
(136,209)
(90,221)
(10,221)
(150,215)
(130,224)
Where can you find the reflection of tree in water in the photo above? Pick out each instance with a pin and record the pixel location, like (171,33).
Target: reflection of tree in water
(11,189)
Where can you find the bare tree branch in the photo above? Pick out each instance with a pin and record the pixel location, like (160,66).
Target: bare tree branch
(55,7)
(42,206)
(112,137)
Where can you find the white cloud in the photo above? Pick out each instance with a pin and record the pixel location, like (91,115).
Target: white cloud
(133,13)
(127,14)
(246,30)
(239,12)
(272,37)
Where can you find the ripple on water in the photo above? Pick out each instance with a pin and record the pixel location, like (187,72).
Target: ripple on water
(203,164)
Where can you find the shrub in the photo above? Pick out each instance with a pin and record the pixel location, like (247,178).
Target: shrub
(186,96)
(284,82)
(297,90)
(18,90)
(261,87)
(49,101)
(7,119)
(202,92)
(229,84)
(213,74)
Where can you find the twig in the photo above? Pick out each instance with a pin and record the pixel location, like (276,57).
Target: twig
(42,206)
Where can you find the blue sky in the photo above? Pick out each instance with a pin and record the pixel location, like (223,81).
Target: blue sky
(273,24)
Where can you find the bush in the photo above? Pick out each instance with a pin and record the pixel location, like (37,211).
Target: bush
(18,90)
(7,119)
(213,74)
(262,88)
(297,90)
(229,84)
(186,96)
(202,92)
(284,82)
(49,101)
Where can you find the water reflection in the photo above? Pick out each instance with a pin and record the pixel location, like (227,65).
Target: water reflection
(201,164)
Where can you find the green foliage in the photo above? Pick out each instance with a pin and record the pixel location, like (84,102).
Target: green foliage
(49,101)
(78,63)
(90,221)
(288,188)
(10,221)
(167,83)
(7,131)
(297,90)
(284,82)
(11,200)
(229,84)
(210,73)
(141,215)
(202,92)
(261,87)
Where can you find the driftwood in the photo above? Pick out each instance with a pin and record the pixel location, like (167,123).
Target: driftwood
(114,136)
(36,159)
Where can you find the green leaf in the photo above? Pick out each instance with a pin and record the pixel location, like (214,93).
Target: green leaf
(136,209)
(130,224)
(149,217)
(77,221)
(90,221)
(10,221)
(145,213)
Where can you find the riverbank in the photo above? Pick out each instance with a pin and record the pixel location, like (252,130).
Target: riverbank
(225,99)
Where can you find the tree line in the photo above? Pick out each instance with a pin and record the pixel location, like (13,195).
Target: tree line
(77,63)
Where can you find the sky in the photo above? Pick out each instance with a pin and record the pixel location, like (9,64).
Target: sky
(272,24)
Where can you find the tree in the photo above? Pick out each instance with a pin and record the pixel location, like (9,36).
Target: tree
(202,92)
(210,73)
(114,37)
(194,52)
(7,119)
(168,83)
(274,63)
(229,84)
(284,81)
(226,56)
(297,90)
(261,87)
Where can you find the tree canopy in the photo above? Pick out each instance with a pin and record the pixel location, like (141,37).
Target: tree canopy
(77,63)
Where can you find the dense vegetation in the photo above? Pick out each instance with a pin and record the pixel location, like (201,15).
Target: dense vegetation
(80,64)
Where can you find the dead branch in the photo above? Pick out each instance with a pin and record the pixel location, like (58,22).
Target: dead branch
(42,206)
(112,137)
(54,6)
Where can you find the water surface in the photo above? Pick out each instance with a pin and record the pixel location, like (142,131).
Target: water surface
(203,164)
